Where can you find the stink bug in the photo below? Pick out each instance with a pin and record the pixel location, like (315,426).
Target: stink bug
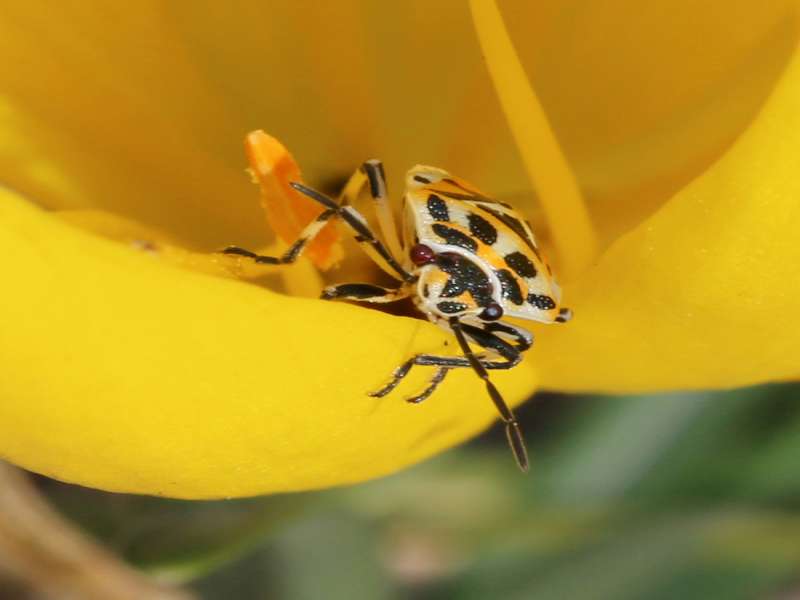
(467,261)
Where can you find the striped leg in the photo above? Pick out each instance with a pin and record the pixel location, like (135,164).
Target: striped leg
(295,250)
(363,234)
(365,292)
(377,188)
(351,217)
(433,360)
(522,338)
(437,378)
(513,431)
(371,172)
(510,356)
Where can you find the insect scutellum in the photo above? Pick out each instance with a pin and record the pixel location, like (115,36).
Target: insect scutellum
(466,260)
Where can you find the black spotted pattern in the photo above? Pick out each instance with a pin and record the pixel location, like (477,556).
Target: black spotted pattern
(514,224)
(464,276)
(451,308)
(520,264)
(454,237)
(438,208)
(482,229)
(542,301)
(510,286)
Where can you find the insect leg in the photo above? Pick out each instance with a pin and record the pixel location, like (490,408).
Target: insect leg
(376,176)
(351,217)
(437,378)
(522,337)
(295,250)
(510,357)
(371,172)
(363,234)
(513,431)
(365,292)
(432,360)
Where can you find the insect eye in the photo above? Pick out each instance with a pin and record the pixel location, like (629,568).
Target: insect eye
(492,312)
(422,255)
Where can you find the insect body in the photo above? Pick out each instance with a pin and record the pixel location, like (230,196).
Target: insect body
(468,262)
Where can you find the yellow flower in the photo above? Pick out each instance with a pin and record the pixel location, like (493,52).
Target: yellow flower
(143,366)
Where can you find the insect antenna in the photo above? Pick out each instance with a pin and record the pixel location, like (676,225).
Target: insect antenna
(513,430)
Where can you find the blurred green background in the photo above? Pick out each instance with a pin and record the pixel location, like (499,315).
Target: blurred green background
(693,495)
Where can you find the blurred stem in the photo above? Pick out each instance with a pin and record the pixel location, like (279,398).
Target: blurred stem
(545,163)
(54,559)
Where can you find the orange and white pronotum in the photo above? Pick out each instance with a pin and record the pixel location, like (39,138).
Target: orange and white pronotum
(466,260)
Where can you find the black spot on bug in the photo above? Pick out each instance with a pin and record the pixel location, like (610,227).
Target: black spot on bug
(510,286)
(453,288)
(447,260)
(454,237)
(512,223)
(520,264)
(438,208)
(482,229)
(464,276)
(451,307)
(542,301)
(421,179)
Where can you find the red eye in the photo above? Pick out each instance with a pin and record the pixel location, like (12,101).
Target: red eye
(492,312)
(422,255)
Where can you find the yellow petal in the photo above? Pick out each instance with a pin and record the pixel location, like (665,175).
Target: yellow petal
(642,95)
(299,279)
(120,118)
(705,293)
(125,373)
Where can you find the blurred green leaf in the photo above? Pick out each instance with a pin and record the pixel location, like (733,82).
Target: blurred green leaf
(620,444)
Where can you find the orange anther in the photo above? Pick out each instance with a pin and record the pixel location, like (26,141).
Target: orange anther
(288,211)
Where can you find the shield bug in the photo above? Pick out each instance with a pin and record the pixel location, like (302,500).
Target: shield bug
(468,262)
